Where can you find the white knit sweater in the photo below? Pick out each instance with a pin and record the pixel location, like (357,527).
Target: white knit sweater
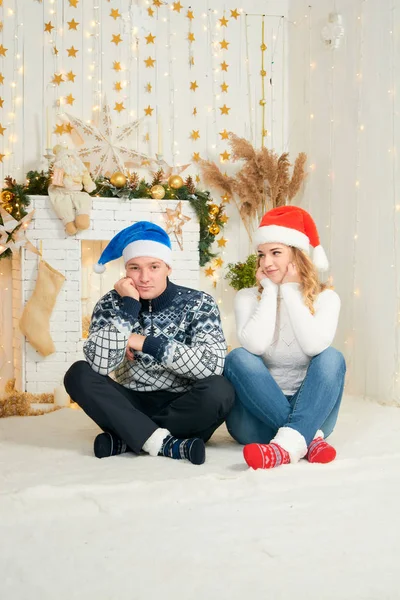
(280,328)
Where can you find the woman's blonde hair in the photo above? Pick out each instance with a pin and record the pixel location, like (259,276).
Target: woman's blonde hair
(310,283)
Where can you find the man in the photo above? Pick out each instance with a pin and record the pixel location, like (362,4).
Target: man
(165,345)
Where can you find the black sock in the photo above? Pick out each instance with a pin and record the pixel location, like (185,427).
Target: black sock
(192,449)
(108,444)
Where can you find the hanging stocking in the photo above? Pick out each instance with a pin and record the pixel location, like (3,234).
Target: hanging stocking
(35,320)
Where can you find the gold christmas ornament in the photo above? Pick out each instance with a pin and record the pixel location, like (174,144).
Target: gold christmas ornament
(6,199)
(213,210)
(263,102)
(214,229)
(175,181)
(6,196)
(157,192)
(118,179)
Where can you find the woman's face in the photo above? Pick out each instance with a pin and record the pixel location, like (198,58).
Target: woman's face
(274,259)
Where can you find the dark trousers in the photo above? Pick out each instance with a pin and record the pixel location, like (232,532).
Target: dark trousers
(134,416)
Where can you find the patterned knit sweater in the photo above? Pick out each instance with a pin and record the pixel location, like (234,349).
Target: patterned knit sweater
(184,339)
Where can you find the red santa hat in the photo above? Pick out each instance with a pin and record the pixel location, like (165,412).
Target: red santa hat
(292,226)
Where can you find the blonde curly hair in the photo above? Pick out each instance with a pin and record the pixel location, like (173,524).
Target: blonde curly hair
(311,286)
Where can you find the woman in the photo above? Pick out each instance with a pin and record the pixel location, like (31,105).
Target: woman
(287,377)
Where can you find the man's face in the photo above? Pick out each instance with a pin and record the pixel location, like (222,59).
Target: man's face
(149,275)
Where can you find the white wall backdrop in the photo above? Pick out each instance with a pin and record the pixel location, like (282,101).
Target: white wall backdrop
(340,106)
(344,112)
(66,56)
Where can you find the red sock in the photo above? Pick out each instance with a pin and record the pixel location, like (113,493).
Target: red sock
(320,451)
(265,456)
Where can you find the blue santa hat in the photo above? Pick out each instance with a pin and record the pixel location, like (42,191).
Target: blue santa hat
(141,239)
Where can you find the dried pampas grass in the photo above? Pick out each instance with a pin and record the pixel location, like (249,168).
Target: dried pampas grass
(263,182)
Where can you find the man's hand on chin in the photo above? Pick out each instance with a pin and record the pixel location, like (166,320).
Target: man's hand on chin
(126,287)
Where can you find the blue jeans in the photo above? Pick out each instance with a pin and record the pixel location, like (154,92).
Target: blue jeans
(261,407)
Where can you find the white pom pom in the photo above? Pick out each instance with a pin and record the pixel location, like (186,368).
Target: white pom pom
(97,268)
(320,259)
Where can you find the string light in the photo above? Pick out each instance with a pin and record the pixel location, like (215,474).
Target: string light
(356,290)
(393,158)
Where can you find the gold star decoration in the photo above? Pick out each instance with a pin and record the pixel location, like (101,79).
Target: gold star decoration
(191,61)
(146,138)
(73,3)
(13,232)
(148,111)
(55,50)
(191,37)
(150,11)
(190,15)
(150,38)
(193,85)
(224,109)
(2,129)
(225,156)
(224,87)
(218,262)
(196,156)
(223,22)
(59,130)
(195,135)
(226,198)
(119,106)
(194,113)
(1,102)
(70,99)
(114,13)
(71,76)
(234,14)
(72,24)
(149,62)
(3,50)
(224,44)
(117,65)
(68,129)
(177,6)
(149,87)
(118,86)
(72,52)
(116,39)
(209,272)
(224,219)
(57,79)
(222,242)
(224,134)
(197,178)
(174,220)
(48,27)
(157,3)
(224,66)
(1,78)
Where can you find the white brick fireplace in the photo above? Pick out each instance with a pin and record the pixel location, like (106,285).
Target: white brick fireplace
(35,373)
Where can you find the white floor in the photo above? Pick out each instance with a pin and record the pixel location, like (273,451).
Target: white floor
(142,528)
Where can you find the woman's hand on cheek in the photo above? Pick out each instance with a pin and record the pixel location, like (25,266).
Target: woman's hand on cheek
(292,275)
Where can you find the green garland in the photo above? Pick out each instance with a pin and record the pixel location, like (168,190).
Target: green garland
(37,183)
(16,207)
